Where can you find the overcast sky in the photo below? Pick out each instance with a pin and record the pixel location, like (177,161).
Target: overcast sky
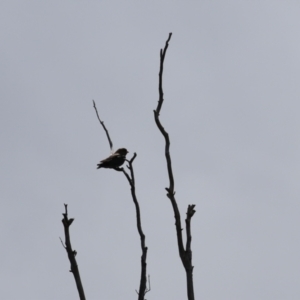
(231,84)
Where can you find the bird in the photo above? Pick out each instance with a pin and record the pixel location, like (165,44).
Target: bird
(115,160)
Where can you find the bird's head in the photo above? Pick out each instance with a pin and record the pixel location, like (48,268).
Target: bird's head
(122,151)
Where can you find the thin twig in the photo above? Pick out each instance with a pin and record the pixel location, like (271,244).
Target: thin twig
(106,131)
(62,243)
(149,288)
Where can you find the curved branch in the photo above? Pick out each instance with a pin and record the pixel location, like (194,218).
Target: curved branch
(72,253)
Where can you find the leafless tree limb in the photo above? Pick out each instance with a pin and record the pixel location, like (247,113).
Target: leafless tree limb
(106,131)
(72,253)
(131,180)
(185,254)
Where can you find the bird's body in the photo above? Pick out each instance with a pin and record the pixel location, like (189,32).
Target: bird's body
(115,160)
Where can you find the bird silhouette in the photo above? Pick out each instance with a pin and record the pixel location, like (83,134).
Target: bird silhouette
(114,161)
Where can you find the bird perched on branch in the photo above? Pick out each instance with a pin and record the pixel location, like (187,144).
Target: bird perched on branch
(115,160)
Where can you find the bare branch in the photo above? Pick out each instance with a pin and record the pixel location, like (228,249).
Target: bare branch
(106,131)
(185,254)
(72,253)
(170,189)
(131,180)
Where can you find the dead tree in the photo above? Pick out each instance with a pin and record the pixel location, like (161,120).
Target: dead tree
(184,253)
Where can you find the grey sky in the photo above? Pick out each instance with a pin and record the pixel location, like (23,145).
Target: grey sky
(231,86)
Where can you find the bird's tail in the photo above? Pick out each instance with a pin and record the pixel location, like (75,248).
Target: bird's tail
(99,166)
